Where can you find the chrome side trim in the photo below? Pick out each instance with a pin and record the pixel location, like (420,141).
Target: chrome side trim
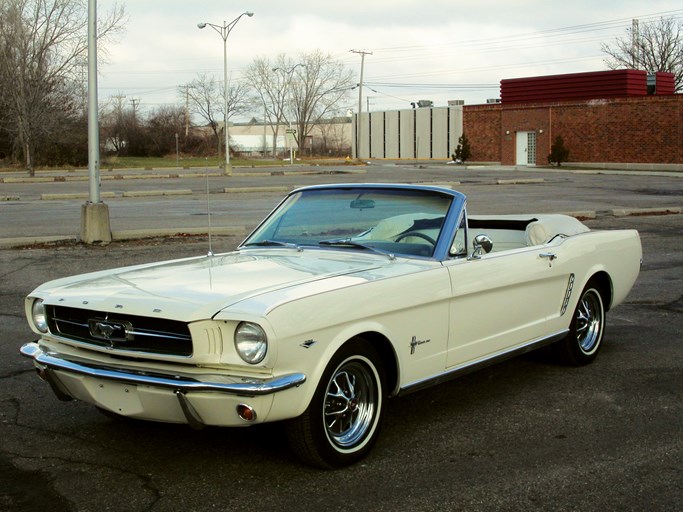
(567,294)
(473,366)
(247,387)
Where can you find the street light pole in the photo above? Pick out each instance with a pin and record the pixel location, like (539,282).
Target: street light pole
(288,86)
(359,139)
(224,32)
(95,225)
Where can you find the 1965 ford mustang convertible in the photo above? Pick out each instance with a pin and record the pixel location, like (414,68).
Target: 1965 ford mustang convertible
(343,296)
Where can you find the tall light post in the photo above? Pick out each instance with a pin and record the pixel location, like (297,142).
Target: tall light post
(359,139)
(95,225)
(287,73)
(224,32)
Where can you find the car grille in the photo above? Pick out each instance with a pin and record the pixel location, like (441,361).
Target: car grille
(121,332)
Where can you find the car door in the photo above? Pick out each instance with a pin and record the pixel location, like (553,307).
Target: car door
(503,300)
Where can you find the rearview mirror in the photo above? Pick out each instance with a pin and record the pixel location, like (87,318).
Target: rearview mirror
(362,204)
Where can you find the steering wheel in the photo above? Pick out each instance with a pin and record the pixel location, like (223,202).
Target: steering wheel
(418,235)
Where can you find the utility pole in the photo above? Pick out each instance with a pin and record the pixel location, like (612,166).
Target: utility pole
(635,44)
(135,102)
(187,111)
(360,98)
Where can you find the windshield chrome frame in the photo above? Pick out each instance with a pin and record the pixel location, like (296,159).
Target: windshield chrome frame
(443,245)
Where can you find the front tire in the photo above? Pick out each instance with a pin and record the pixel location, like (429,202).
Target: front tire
(586,330)
(343,420)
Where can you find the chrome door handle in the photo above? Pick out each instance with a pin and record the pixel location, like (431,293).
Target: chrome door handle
(550,255)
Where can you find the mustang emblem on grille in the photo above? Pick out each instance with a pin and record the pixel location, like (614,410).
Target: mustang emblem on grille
(112,331)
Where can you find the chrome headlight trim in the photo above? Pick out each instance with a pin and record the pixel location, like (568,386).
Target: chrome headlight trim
(251,342)
(38,315)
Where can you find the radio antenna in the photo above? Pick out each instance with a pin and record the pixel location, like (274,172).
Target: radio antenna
(208,214)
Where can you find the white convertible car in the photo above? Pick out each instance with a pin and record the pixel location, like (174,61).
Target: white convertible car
(343,296)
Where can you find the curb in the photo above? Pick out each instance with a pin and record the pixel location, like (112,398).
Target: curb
(8,243)
(137,234)
(285,171)
(123,235)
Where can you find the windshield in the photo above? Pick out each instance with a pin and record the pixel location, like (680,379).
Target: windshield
(396,221)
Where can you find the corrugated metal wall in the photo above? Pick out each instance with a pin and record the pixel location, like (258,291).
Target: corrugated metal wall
(420,133)
(619,83)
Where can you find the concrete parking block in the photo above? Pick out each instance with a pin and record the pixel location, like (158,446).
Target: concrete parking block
(629,212)
(530,181)
(28,180)
(242,190)
(150,193)
(79,195)
(583,215)
(444,184)
(144,176)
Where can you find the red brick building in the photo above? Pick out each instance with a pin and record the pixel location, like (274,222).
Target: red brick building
(622,116)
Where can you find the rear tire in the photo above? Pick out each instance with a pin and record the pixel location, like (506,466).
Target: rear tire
(586,330)
(343,420)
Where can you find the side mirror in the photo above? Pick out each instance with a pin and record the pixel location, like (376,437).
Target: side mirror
(482,245)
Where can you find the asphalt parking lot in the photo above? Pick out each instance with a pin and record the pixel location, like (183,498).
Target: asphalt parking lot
(524,435)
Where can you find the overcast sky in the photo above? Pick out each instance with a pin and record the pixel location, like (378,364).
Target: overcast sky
(435,49)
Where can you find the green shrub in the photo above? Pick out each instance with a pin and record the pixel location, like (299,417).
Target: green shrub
(463,151)
(558,153)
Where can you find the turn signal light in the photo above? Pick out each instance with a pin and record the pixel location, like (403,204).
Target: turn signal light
(246,413)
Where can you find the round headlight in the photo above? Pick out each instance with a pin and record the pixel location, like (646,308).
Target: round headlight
(251,342)
(39,316)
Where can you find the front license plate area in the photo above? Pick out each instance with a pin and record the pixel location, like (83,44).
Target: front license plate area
(119,398)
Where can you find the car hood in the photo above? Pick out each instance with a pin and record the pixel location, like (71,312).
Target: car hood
(198,288)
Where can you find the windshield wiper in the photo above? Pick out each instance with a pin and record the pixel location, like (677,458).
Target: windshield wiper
(347,242)
(272,243)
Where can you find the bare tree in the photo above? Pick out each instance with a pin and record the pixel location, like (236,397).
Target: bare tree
(317,89)
(653,46)
(332,136)
(42,44)
(164,126)
(114,122)
(123,128)
(301,91)
(270,85)
(205,98)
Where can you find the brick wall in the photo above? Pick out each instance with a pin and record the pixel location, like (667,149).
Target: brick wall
(481,125)
(645,129)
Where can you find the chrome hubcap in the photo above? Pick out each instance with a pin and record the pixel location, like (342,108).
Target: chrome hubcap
(588,322)
(350,404)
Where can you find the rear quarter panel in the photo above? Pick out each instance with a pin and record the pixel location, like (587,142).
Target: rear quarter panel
(617,253)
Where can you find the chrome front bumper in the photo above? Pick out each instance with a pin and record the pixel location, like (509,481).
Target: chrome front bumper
(241,386)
